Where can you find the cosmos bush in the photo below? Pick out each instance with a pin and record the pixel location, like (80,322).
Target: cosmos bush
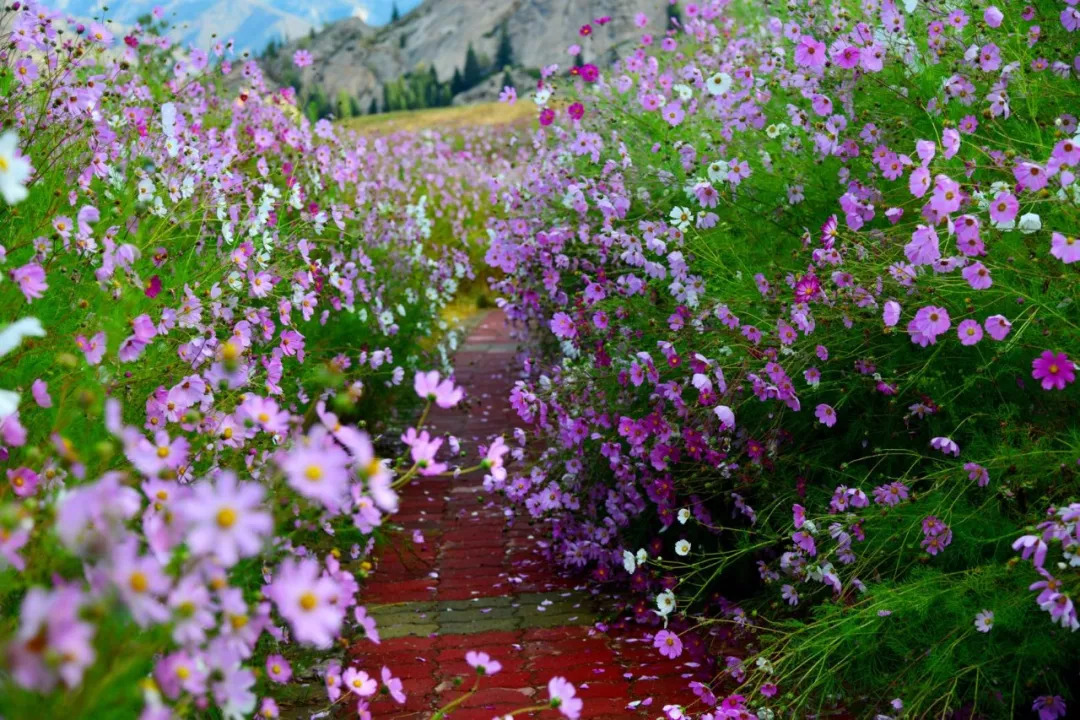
(216,317)
(803,279)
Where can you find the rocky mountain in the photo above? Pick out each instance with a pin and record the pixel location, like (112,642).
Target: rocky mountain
(358,60)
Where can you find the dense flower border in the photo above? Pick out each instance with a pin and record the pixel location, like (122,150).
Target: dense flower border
(804,286)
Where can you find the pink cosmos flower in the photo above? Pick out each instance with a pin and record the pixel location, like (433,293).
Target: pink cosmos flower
(23,480)
(161,454)
(1055,370)
(563,326)
(393,685)
(93,349)
(969,332)
(31,281)
(946,446)
(1065,248)
(825,415)
(309,600)
(890,315)
(562,692)
(977,276)
(443,394)
(278,668)
(1049,707)
(227,521)
(931,321)
(302,58)
(810,53)
(1003,208)
(40,391)
(978,473)
(141,583)
(318,469)
(992,16)
(997,326)
(359,683)
(482,663)
(53,643)
(668,643)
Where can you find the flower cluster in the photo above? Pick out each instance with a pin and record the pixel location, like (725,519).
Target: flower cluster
(802,279)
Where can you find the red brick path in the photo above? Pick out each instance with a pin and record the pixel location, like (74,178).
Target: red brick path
(479,583)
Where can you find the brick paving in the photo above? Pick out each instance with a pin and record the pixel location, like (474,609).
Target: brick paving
(479,582)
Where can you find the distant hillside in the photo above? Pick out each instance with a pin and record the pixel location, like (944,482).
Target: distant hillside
(365,68)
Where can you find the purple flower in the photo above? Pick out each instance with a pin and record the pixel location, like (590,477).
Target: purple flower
(359,683)
(984,621)
(1049,707)
(443,394)
(318,470)
(563,326)
(668,643)
(309,599)
(969,332)
(977,472)
(1065,248)
(227,521)
(1055,370)
(562,697)
(946,446)
(31,281)
(825,415)
(393,686)
(482,663)
(997,326)
(302,58)
(278,668)
(810,53)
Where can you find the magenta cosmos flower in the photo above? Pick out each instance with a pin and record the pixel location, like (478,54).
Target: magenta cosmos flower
(226,521)
(1065,248)
(1055,370)
(309,600)
(563,326)
(441,392)
(562,697)
(969,331)
(825,415)
(668,643)
(278,668)
(482,663)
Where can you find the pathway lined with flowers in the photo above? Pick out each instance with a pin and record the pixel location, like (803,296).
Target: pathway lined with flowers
(477,583)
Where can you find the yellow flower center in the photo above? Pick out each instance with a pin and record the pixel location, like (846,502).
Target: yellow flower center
(138,582)
(183,672)
(313,473)
(163,451)
(308,601)
(226,518)
(4,164)
(1054,368)
(227,433)
(238,621)
(263,417)
(276,669)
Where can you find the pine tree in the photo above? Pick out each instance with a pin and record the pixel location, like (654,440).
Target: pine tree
(507,80)
(344,105)
(354,106)
(504,54)
(373,108)
(579,60)
(673,14)
(395,14)
(473,74)
(457,84)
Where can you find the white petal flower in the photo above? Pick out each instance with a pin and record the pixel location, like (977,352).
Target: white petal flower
(682,548)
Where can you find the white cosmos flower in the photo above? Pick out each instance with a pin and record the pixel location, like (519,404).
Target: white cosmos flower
(642,556)
(13,334)
(628,561)
(683,516)
(1029,223)
(9,403)
(682,548)
(718,83)
(14,171)
(666,602)
(727,417)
